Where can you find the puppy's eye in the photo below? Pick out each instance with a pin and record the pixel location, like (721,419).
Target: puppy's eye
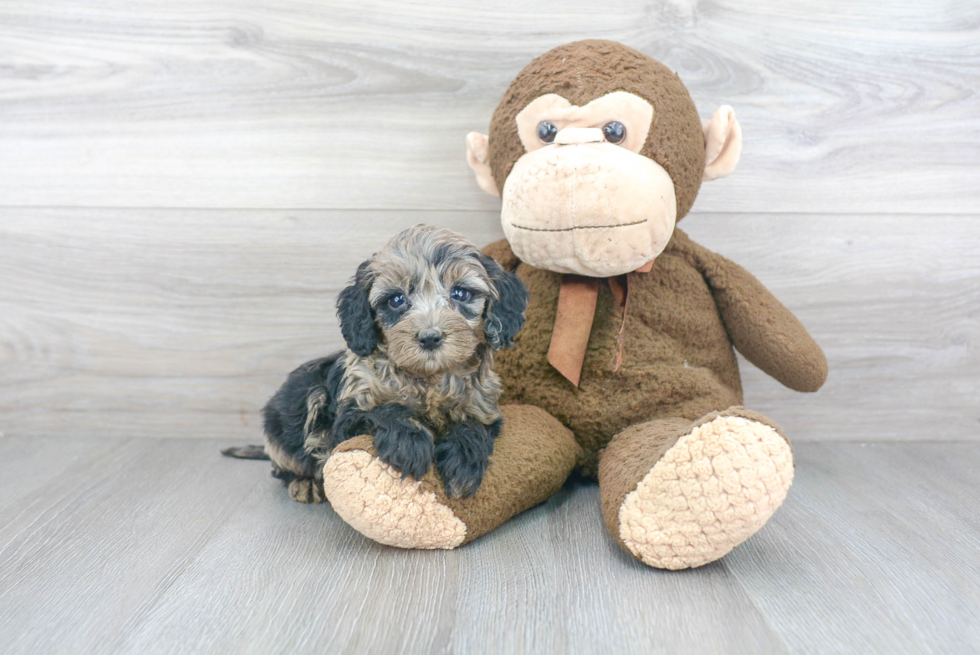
(459,294)
(396,301)
(614,131)
(547,131)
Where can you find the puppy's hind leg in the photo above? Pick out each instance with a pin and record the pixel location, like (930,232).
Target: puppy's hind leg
(306,490)
(294,417)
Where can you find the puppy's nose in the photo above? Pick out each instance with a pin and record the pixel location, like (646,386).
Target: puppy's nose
(430,339)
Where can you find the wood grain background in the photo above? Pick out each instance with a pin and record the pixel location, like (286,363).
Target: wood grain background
(185,187)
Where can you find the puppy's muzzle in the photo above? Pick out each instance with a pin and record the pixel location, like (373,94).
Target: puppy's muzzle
(430,339)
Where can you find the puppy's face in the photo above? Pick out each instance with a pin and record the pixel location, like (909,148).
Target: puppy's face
(431,297)
(429,309)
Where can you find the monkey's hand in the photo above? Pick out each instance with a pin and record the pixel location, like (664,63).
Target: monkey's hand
(463,455)
(761,327)
(400,440)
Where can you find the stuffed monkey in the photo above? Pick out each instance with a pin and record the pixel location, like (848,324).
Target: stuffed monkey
(626,367)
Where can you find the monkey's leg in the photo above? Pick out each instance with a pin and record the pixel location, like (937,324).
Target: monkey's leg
(532,458)
(678,494)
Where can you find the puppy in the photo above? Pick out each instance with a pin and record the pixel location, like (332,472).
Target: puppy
(421,319)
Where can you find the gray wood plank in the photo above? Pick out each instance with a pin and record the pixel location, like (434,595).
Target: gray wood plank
(91,551)
(891,561)
(872,107)
(283,577)
(183,322)
(30,464)
(615,604)
(160,546)
(549,581)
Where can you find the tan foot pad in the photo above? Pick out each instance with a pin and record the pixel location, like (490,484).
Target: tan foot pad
(377,502)
(710,492)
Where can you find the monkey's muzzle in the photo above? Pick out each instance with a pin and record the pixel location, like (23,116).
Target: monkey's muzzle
(589,208)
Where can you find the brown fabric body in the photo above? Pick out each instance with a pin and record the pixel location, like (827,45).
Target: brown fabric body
(678,358)
(532,458)
(585,70)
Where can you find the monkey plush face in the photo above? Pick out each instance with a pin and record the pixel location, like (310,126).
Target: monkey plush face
(597,150)
(582,199)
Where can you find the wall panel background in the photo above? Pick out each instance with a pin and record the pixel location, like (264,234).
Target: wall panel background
(184,188)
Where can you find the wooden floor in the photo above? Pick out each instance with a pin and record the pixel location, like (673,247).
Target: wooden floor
(161,545)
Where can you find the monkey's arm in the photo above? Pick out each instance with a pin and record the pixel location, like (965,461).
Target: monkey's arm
(761,327)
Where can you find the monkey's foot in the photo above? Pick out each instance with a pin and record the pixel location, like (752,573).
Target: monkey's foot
(378,502)
(706,493)
(531,459)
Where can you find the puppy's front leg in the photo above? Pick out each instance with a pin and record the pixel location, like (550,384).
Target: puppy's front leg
(463,455)
(401,440)
(350,422)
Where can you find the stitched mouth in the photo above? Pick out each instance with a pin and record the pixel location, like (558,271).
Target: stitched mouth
(576,227)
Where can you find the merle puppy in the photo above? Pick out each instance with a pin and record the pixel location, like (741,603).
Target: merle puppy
(421,319)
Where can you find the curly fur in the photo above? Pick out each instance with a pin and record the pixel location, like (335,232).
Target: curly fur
(421,402)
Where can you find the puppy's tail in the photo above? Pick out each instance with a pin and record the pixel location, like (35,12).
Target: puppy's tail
(255,451)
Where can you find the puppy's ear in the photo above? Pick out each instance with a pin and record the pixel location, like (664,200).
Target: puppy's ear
(503,318)
(355,314)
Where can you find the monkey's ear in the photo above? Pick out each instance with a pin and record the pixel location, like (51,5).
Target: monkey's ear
(478,157)
(355,314)
(722,143)
(503,318)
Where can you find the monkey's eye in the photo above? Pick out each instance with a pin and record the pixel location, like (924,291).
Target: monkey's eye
(614,131)
(547,131)
(397,301)
(459,294)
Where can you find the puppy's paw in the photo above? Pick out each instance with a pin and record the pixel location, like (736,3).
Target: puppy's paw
(464,454)
(305,490)
(405,446)
(461,470)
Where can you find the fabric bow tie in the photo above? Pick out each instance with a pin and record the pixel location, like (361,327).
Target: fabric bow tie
(577,300)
